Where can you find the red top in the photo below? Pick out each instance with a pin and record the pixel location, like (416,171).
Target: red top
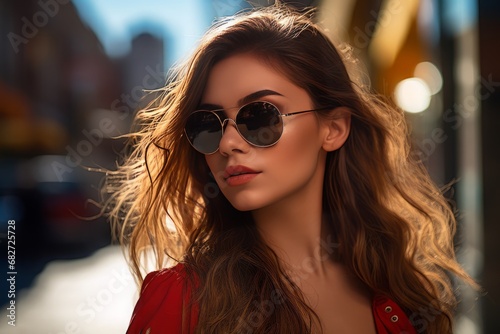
(164,295)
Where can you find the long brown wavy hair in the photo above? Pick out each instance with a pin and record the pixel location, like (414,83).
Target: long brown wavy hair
(393,226)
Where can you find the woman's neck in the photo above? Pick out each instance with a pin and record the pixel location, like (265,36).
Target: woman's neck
(294,230)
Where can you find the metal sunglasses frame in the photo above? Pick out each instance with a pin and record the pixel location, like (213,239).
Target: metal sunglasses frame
(228,119)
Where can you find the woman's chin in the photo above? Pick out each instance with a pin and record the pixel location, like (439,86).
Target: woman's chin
(245,204)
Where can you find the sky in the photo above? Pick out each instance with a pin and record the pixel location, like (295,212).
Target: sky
(182,23)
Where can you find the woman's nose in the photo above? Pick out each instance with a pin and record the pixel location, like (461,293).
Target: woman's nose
(231,140)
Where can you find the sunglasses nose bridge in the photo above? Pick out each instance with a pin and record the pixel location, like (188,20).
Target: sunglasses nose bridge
(226,121)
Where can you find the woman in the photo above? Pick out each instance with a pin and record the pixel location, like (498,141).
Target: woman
(297,206)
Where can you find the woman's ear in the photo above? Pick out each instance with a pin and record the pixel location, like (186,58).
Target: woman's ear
(336,129)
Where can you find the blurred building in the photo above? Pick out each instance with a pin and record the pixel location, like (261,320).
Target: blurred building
(52,72)
(489,71)
(61,100)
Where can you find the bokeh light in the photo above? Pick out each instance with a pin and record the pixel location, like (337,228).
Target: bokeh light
(428,72)
(413,95)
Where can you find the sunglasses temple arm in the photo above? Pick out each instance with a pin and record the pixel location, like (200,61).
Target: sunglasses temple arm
(304,111)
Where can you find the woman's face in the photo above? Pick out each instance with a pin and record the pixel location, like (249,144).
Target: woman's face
(253,177)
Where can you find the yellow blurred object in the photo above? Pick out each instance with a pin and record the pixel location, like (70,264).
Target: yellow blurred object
(393,25)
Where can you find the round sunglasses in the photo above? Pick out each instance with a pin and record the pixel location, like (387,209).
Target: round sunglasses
(259,123)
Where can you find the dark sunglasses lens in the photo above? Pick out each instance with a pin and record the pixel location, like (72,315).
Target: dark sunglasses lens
(260,123)
(204,131)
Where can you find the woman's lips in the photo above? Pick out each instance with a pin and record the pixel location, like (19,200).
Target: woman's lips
(238,180)
(238,175)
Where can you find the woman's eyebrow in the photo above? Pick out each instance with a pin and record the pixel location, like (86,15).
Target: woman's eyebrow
(245,100)
(257,95)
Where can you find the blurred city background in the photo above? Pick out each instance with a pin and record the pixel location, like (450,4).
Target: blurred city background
(73,73)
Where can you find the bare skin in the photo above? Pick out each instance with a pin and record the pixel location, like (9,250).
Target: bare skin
(341,302)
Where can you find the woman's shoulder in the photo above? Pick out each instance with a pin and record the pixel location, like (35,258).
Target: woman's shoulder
(171,278)
(164,303)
